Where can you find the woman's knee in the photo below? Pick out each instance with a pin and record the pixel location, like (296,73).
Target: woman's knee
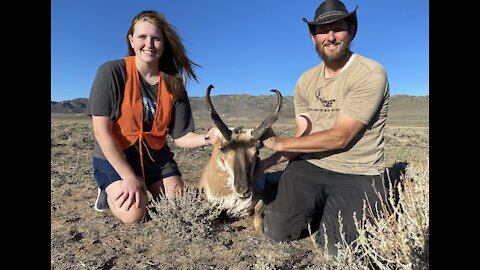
(128,214)
(131,215)
(134,215)
(169,186)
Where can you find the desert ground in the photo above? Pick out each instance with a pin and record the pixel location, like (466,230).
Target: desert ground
(82,238)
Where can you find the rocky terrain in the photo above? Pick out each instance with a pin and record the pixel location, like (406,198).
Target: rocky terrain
(82,238)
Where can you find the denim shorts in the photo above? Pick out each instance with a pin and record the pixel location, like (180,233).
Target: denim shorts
(105,174)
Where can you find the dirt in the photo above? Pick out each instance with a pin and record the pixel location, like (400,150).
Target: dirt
(82,238)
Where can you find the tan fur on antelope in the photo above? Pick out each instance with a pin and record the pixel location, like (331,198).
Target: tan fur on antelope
(227,177)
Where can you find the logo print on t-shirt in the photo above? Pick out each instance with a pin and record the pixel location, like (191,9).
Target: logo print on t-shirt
(149,108)
(325,102)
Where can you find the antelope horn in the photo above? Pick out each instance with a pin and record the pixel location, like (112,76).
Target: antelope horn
(226,132)
(268,122)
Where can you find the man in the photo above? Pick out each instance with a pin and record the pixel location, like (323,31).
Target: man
(337,154)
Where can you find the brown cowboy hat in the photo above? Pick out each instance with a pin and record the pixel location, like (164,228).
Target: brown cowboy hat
(331,11)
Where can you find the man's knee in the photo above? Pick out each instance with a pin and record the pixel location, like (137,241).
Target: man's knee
(276,234)
(278,227)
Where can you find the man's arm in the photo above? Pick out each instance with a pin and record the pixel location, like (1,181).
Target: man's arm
(337,137)
(303,127)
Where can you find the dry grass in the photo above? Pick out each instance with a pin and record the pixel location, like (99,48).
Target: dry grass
(188,216)
(392,235)
(187,233)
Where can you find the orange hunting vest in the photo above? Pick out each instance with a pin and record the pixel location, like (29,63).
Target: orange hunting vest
(129,126)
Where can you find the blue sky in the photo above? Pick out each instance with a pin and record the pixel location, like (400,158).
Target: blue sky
(244,47)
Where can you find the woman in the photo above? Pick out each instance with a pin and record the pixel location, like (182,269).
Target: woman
(134,103)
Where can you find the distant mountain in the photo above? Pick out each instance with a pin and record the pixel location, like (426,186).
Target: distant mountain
(414,109)
(409,110)
(228,105)
(75,106)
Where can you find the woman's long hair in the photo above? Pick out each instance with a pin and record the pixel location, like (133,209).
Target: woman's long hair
(174,64)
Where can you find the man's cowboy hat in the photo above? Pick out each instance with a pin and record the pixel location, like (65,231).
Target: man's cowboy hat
(331,11)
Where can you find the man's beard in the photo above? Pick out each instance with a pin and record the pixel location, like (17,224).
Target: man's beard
(335,59)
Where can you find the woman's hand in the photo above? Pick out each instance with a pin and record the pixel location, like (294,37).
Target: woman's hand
(211,135)
(130,193)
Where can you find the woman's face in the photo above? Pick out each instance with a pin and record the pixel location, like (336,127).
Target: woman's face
(147,42)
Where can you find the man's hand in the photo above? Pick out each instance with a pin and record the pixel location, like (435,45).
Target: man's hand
(268,134)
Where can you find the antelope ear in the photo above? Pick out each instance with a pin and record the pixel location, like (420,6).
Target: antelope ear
(248,132)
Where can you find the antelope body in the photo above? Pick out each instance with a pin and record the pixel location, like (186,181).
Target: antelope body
(227,176)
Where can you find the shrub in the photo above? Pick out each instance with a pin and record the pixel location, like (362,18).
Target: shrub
(188,215)
(395,238)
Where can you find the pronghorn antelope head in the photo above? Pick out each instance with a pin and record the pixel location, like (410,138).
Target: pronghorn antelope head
(227,176)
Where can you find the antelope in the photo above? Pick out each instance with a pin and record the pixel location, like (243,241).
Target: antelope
(227,176)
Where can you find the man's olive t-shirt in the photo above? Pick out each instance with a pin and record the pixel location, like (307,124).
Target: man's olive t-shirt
(360,91)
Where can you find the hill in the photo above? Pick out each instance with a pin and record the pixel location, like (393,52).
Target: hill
(403,109)
(74,106)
